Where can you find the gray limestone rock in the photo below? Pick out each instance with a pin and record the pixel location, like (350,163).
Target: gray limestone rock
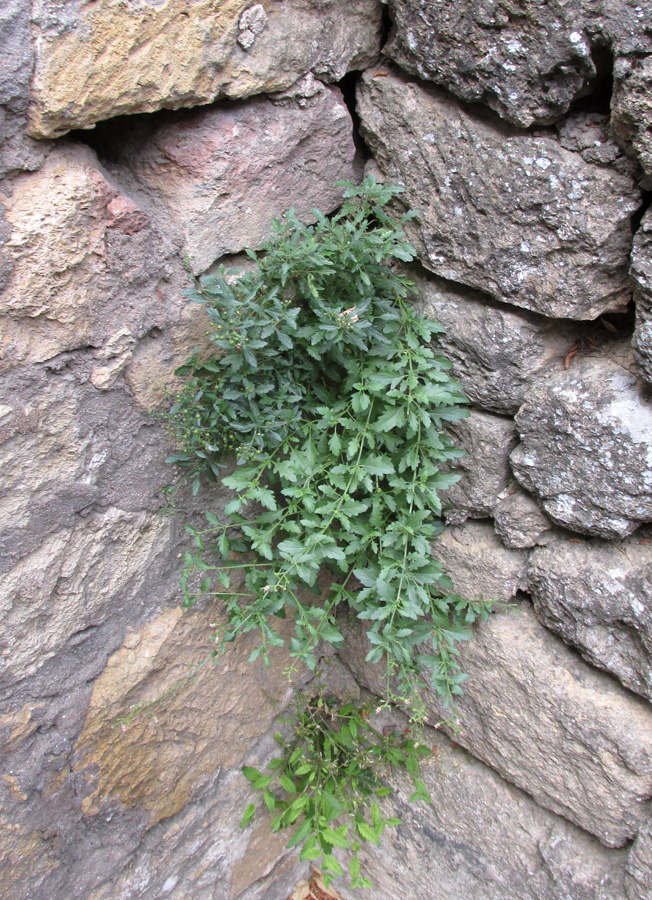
(565,733)
(221,175)
(483,839)
(638,878)
(528,62)
(641,272)
(597,596)
(478,564)
(497,351)
(519,521)
(500,210)
(586,445)
(488,440)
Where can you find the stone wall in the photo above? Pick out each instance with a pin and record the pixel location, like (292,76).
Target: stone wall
(133,134)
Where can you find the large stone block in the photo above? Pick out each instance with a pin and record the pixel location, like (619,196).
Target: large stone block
(641,272)
(223,174)
(497,351)
(89,268)
(483,839)
(500,210)
(72,581)
(98,60)
(598,597)
(586,446)
(527,64)
(563,732)
(531,61)
(480,567)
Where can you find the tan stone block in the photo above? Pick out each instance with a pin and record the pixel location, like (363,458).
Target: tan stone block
(163,718)
(95,60)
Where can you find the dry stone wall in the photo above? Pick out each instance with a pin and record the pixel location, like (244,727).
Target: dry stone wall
(133,134)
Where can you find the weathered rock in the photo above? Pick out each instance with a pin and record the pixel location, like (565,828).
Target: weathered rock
(638,880)
(89,268)
(99,60)
(483,839)
(496,351)
(500,210)
(586,446)
(641,272)
(17,150)
(518,520)
(148,798)
(598,597)
(70,583)
(565,733)
(590,135)
(488,440)
(478,563)
(528,63)
(631,107)
(62,457)
(225,173)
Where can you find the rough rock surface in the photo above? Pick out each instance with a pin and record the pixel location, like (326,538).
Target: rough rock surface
(590,135)
(586,446)
(89,267)
(598,597)
(223,174)
(496,351)
(478,563)
(500,210)
(467,848)
(641,272)
(17,150)
(488,440)
(631,107)
(96,60)
(528,63)
(518,520)
(146,800)
(562,731)
(638,880)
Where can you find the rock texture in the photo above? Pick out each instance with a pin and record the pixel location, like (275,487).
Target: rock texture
(480,567)
(502,211)
(641,272)
(99,60)
(88,265)
(598,597)
(497,351)
(223,174)
(586,446)
(563,732)
(461,844)
(632,107)
(518,520)
(638,880)
(487,441)
(528,63)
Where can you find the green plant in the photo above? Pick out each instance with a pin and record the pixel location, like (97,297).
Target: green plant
(327,392)
(330,778)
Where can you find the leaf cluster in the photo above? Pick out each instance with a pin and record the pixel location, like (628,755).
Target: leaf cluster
(327,387)
(327,782)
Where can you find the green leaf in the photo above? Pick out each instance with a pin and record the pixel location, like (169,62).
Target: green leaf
(248,815)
